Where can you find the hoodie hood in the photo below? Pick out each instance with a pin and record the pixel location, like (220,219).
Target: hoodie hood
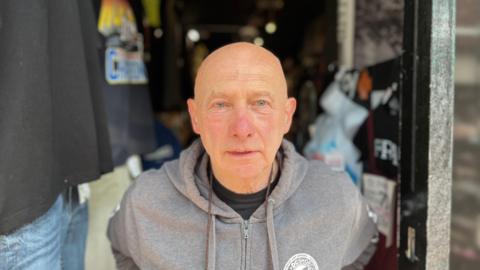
(193,180)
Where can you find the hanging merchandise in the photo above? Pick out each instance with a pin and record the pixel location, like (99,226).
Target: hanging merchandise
(116,17)
(152,13)
(124,54)
(359,131)
(378,141)
(53,129)
(380,194)
(334,130)
(123,67)
(127,99)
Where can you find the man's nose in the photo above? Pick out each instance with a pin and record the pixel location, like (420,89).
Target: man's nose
(242,125)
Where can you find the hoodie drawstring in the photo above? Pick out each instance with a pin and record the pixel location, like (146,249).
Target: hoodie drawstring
(210,248)
(272,240)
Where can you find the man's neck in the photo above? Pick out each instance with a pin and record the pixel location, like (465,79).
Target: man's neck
(248,185)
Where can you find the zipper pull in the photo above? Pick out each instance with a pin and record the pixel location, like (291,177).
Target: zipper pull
(245,229)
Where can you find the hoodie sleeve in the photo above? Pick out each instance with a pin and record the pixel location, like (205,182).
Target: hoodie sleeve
(363,236)
(122,234)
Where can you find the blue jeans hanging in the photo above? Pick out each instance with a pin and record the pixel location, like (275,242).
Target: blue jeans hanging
(55,240)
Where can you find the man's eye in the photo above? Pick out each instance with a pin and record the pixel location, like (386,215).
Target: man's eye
(261,102)
(219,105)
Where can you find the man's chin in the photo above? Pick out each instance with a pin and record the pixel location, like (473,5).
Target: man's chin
(246,171)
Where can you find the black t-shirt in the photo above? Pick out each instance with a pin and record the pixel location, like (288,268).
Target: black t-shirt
(377,138)
(244,204)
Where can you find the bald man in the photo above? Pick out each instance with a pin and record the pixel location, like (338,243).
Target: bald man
(241,197)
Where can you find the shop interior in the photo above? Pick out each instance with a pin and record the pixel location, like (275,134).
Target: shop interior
(342,64)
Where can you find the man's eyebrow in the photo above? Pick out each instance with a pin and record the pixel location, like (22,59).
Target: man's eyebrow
(262,93)
(215,94)
(220,94)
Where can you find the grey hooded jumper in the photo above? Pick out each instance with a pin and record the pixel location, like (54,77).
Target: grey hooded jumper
(314,217)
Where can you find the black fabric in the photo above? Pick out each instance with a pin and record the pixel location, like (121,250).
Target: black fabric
(377,138)
(92,41)
(130,118)
(53,133)
(243,204)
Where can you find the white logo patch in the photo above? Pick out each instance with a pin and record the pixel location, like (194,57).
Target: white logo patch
(301,261)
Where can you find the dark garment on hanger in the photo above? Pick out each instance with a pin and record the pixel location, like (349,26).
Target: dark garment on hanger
(377,140)
(382,138)
(129,112)
(53,132)
(130,120)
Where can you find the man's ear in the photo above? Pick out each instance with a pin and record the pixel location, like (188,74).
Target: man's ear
(192,111)
(290,107)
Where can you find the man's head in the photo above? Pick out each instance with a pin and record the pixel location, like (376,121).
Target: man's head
(241,110)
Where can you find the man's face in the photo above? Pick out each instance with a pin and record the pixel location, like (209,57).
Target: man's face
(241,111)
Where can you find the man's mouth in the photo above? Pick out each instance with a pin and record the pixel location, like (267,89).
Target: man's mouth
(241,153)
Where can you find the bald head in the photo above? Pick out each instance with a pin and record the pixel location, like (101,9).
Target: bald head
(240,61)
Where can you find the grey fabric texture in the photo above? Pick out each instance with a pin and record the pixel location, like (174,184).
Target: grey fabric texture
(313,212)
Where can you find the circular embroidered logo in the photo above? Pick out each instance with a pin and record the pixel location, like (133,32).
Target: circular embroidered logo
(301,261)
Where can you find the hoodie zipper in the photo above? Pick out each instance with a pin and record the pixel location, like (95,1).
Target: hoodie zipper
(246,224)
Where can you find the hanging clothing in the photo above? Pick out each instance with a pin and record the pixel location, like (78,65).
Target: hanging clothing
(125,83)
(377,140)
(52,120)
